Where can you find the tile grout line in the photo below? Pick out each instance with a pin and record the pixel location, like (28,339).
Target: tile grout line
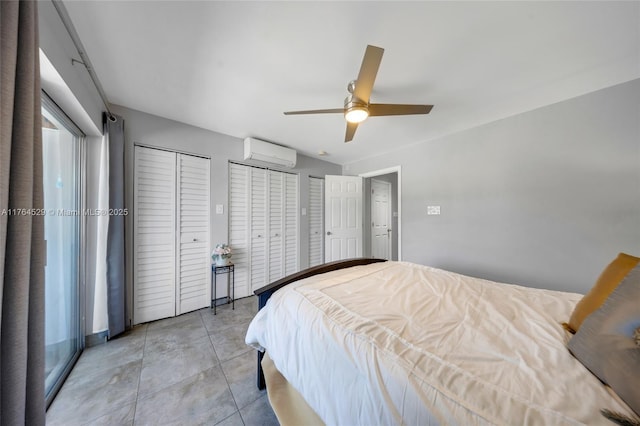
(223,375)
(135,404)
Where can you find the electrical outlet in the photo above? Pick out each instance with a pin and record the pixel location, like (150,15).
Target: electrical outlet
(219,209)
(433,210)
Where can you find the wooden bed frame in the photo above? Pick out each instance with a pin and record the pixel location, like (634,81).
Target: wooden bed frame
(265,292)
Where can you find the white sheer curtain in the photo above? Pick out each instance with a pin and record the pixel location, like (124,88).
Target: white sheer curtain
(100,304)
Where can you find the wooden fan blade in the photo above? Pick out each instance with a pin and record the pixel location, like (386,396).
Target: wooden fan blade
(351,130)
(315,111)
(397,109)
(368,72)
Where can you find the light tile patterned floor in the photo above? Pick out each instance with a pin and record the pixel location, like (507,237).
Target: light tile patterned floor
(188,370)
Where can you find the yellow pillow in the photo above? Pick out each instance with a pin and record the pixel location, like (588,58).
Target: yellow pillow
(607,282)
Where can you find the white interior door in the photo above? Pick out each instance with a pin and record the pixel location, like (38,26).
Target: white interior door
(193,272)
(291,223)
(380,219)
(239,229)
(263,226)
(343,217)
(276,225)
(316,221)
(258,226)
(154,216)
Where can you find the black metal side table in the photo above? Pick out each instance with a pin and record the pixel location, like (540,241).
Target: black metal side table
(231,283)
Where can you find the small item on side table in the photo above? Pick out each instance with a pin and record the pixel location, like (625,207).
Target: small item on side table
(228,269)
(221,255)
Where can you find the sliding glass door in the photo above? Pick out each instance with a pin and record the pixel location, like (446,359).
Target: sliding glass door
(62,176)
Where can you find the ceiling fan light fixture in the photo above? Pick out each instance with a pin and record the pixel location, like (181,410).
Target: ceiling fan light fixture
(356,114)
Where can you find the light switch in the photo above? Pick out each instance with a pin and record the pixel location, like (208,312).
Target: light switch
(432,210)
(304,211)
(219,209)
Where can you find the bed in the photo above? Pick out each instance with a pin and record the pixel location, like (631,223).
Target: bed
(369,342)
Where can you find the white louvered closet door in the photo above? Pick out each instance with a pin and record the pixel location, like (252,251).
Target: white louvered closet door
(154,219)
(258,226)
(291,225)
(263,225)
(316,221)
(239,228)
(193,271)
(276,225)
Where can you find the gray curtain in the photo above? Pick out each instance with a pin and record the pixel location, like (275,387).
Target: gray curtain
(114,127)
(22,249)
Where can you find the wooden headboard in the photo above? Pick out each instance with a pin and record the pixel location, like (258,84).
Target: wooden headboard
(264,293)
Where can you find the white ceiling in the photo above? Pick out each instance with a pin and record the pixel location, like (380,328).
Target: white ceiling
(235,66)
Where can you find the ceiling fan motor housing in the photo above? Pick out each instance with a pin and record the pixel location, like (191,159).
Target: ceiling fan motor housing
(355,110)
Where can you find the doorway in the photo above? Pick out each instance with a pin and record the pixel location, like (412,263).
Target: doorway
(382,213)
(63,182)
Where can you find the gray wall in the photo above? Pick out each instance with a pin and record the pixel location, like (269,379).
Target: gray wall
(545,199)
(153,131)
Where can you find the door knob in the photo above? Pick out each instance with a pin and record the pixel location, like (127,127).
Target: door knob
(328,232)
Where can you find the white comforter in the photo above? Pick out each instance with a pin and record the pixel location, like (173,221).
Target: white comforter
(399,343)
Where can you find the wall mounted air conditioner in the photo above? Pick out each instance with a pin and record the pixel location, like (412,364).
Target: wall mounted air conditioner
(255,149)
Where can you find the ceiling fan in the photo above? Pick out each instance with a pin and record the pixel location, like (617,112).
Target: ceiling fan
(356,105)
